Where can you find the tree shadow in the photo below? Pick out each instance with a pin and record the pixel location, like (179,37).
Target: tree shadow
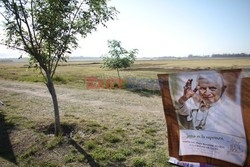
(89,158)
(67,129)
(6,150)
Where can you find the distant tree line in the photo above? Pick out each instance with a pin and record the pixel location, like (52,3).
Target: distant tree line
(225,55)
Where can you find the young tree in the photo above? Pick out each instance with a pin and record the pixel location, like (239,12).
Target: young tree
(47,31)
(118,57)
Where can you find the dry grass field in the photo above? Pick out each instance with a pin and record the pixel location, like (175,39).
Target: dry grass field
(105,127)
(73,74)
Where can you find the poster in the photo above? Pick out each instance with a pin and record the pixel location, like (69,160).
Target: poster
(208,113)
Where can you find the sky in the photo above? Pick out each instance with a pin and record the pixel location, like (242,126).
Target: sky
(171,28)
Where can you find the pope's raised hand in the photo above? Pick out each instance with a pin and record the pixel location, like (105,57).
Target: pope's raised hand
(188,92)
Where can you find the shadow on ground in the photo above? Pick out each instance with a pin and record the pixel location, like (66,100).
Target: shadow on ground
(69,130)
(6,150)
(89,158)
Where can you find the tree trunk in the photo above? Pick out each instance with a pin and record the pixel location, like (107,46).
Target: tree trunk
(52,91)
(118,73)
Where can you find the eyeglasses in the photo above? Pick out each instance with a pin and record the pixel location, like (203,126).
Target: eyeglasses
(206,89)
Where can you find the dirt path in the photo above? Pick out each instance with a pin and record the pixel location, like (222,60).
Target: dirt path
(92,97)
(108,106)
(40,90)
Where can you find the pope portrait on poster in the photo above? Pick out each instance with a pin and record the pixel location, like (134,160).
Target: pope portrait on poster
(208,110)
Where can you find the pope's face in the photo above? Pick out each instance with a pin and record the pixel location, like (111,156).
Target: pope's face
(209,90)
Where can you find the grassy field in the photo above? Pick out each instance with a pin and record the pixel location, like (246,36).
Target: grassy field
(73,74)
(101,127)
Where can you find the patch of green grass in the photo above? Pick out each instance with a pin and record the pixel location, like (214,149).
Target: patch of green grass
(19,120)
(138,150)
(93,124)
(159,158)
(101,153)
(150,131)
(90,145)
(73,151)
(59,79)
(112,138)
(149,144)
(78,137)
(69,115)
(119,130)
(29,124)
(81,158)
(70,158)
(14,119)
(56,141)
(104,128)
(140,141)
(30,152)
(139,162)
(32,78)
(119,157)
(29,162)
(125,151)
(49,164)
(92,130)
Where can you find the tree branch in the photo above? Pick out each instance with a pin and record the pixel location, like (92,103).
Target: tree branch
(50,63)
(13,47)
(33,50)
(32,22)
(45,78)
(54,70)
(28,26)
(19,24)
(69,32)
(4,17)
